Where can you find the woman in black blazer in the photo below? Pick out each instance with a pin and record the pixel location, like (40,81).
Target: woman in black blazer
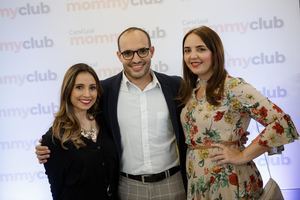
(84,161)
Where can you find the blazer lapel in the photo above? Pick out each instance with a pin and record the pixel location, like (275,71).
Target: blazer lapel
(112,104)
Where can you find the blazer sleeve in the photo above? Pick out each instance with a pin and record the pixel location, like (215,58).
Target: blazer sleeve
(54,167)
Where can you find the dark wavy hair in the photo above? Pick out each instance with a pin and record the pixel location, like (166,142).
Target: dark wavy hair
(215,85)
(66,126)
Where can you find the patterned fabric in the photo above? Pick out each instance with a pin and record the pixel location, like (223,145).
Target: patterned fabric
(205,124)
(170,188)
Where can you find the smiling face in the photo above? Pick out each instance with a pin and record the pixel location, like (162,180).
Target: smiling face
(136,68)
(197,57)
(84,92)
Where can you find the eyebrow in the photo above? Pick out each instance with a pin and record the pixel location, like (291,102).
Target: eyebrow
(84,84)
(202,45)
(136,49)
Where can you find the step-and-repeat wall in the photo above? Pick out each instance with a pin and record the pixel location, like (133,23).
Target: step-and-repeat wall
(39,40)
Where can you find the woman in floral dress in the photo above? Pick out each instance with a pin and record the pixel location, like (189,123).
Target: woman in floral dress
(217,111)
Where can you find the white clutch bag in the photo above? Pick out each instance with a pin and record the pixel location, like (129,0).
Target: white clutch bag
(271,191)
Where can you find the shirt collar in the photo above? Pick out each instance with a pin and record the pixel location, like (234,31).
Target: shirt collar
(126,84)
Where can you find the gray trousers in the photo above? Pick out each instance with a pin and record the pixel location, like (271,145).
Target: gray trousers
(170,188)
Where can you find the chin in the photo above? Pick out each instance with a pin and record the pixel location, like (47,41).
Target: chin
(85,107)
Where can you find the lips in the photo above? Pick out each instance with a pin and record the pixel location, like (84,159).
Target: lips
(196,64)
(85,101)
(137,67)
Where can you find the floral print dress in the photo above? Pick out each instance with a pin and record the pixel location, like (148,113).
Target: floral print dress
(205,124)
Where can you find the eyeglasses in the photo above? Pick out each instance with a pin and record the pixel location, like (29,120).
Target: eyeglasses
(142,53)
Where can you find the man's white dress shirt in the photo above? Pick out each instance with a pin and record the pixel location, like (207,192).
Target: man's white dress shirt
(148,140)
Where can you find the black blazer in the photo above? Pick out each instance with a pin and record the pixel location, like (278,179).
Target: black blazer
(90,172)
(170,86)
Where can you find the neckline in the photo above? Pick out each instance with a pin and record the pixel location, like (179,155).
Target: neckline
(201,82)
(91,134)
(203,98)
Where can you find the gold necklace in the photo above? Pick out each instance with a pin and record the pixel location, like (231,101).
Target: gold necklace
(90,134)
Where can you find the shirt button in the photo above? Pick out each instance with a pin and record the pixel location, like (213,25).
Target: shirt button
(98,147)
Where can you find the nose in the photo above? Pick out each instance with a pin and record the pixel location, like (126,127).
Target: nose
(86,93)
(193,54)
(136,57)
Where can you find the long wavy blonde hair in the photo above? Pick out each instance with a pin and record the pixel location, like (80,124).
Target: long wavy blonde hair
(66,126)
